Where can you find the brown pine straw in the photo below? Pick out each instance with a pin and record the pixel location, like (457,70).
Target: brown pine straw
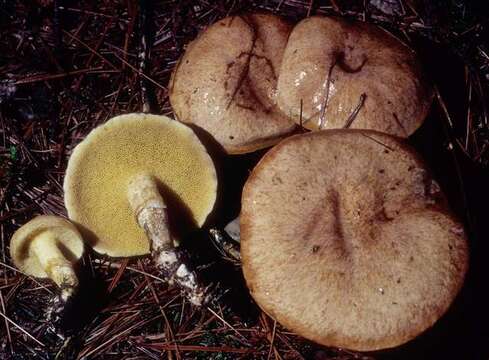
(61,78)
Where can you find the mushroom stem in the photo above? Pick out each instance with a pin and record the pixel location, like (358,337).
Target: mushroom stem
(151,214)
(45,246)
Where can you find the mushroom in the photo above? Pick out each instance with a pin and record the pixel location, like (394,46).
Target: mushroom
(140,177)
(49,247)
(225,83)
(227,240)
(232,229)
(347,240)
(342,74)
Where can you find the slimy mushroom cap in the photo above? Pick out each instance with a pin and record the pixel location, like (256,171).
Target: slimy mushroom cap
(347,240)
(225,83)
(67,237)
(102,166)
(337,73)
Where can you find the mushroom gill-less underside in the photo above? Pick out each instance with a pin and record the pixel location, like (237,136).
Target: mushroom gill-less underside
(341,74)
(138,184)
(104,163)
(347,240)
(225,83)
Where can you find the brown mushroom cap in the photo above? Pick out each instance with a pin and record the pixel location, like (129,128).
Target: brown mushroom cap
(346,240)
(64,233)
(226,82)
(101,167)
(358,73)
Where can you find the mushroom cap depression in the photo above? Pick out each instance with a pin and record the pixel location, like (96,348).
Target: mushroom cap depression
(225,83)
(347,240)
(102,165)
(361,75)
(65,233)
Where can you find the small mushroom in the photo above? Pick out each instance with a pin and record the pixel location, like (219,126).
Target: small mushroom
(140,177)
(225,83)
(227,240)
(49,247)
(337,73)
(227,246)
(232,229)
(347,240)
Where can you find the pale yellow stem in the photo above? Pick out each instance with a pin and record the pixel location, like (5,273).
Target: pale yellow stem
(59,269)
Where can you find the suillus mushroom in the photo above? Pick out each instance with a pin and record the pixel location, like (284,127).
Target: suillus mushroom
(227,240)
(337,73)
(140,177)
(232,229)
(225,83)
(347,240)
(49,247)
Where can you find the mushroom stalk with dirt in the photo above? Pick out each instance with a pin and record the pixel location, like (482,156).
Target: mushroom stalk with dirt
(49,247)
(136,185)
(151,214)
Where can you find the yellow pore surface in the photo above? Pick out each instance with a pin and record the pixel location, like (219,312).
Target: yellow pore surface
(65,236)
(102,165)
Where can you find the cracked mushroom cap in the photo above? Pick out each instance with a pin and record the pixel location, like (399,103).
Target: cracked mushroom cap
(101,166)
(225,83)
(353,75)
(347,240)
(67,237)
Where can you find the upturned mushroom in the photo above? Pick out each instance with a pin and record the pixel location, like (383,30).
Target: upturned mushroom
(337,73)
(225,83)
(140,177)
(347,240)
(49,247)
